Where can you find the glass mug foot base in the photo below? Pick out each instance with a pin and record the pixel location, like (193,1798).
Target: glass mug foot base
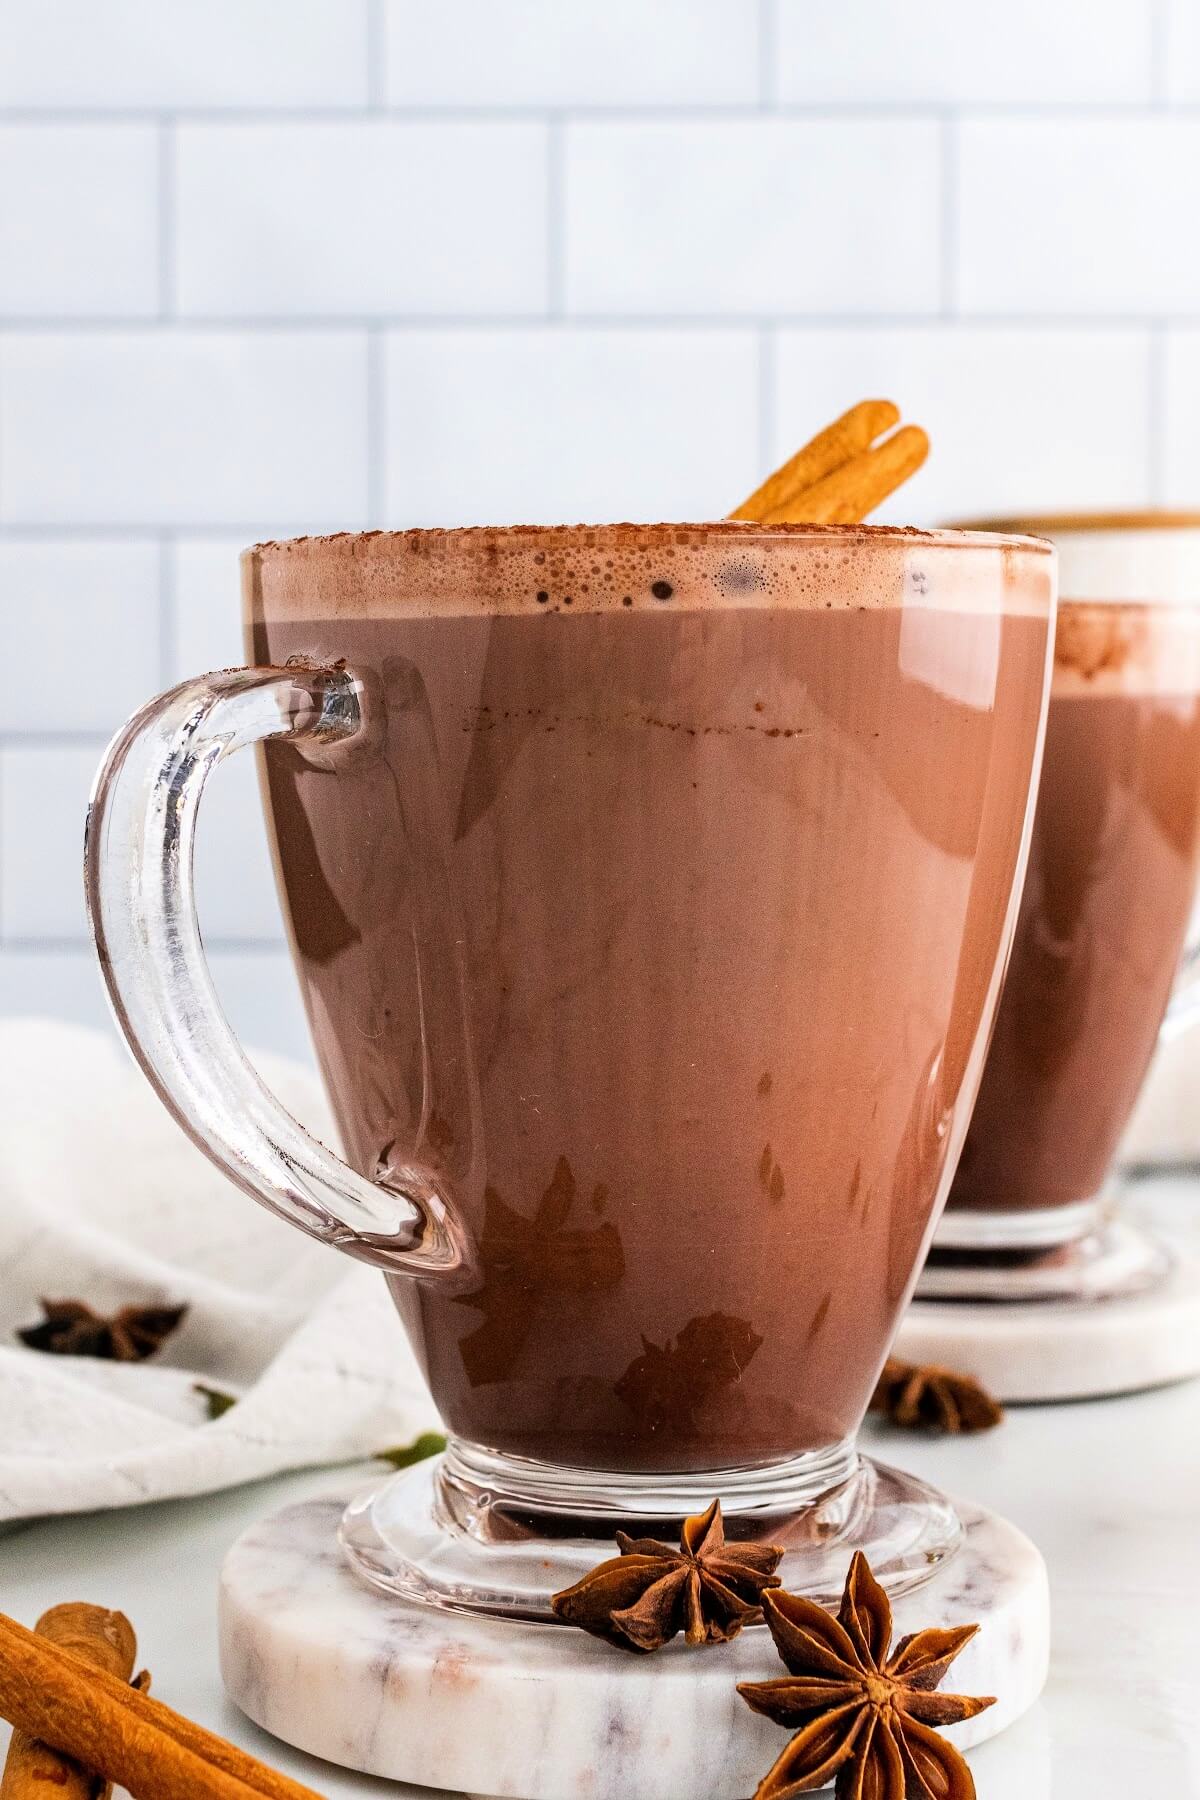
(998,1256)
(477,1532)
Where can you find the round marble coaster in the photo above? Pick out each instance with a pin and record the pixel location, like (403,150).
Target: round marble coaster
(545,1713)
(1064,1349)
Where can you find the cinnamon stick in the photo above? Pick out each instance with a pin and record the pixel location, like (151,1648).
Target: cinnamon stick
(843,473)
(105,1640)
(860,485)
(854,432)
(134,1741)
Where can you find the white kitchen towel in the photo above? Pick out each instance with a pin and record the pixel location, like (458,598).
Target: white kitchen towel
(103,1199)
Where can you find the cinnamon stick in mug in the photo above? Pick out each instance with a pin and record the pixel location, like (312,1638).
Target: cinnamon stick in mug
(832,447)
(842,474)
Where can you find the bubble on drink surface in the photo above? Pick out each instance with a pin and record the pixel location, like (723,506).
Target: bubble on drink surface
(740,575)
(662,590)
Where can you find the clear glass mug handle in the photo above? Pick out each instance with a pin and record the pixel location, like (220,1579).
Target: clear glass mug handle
(141,902)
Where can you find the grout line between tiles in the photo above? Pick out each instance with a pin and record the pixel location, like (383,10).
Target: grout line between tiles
(167,236)
(376,404)
(662,111)
(1160,50)
(556,220)
(768,55)
(1156,420)
(302,324)
(168,647)
(949,216)
(55,945)
(767,436)
(376,48)
(50,739)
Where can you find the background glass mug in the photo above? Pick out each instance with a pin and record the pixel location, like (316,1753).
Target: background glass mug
(1108,896)
(649,889)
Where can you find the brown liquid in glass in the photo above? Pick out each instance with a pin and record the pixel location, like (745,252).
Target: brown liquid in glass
(1110,885)
(663,934)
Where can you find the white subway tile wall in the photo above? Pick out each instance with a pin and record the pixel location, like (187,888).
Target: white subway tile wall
(1181,421)
(80,629)
(363,217)
(573,424)
(963,53)
(43,794)
(1181,52)
(203,625)
(976,388)
(182,427)
(269,266)
(1098,219)
(572,53)
(753,216)
(163,55)
(78,221)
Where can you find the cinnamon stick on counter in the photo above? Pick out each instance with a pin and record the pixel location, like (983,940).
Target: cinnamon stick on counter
(32,1770)
(93,1717)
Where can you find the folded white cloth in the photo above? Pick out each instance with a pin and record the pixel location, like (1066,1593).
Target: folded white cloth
(103,1199)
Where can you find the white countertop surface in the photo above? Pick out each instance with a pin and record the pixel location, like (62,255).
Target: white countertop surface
(1109,1490)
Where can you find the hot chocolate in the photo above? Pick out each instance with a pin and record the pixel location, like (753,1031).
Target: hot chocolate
(643,909)
(1111,880)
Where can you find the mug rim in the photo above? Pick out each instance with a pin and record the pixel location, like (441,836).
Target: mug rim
(630,534)
(1145,520)
(1151,555)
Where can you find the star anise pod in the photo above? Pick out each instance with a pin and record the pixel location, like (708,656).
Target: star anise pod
(860,1714)
(708,1589)
(924,1396)
(72,1328)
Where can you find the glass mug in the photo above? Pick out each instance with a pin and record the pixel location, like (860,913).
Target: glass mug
(649,889)
(1099,959)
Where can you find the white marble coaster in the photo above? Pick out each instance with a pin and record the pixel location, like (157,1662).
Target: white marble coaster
(1064,1349)
(545,1713)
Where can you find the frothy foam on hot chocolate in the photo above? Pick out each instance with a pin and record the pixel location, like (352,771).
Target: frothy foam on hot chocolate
(1103,647)
(726,565)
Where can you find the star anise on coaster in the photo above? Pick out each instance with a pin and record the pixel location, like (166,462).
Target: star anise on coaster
(708,1589)
(924,1396)
(72,1328)
(863,1716)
